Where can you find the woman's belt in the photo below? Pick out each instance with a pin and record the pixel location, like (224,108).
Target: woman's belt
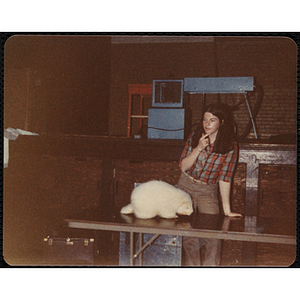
(195,180)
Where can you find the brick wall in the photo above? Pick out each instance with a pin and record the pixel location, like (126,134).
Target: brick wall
(272,61)
(58,187)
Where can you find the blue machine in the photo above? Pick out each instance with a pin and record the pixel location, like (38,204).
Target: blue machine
(166,123)
(167,118)
(218,85)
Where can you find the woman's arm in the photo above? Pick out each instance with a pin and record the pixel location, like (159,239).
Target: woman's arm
(189,160)
(225,197)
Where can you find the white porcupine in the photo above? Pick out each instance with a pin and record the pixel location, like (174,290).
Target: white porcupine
(158,198)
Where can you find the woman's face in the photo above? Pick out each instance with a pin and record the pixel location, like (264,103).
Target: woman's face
(211,123)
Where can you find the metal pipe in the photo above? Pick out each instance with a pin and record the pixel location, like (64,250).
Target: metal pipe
(131,249)
(251,117)
(152,240)
(140,247)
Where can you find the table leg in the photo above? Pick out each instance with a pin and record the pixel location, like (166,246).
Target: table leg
(140,247)
(249,249)
(251,207)
(131,249)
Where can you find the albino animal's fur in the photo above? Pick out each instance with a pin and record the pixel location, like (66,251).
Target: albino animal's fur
(158,198)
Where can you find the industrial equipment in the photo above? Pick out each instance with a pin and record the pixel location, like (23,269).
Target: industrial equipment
(168,118)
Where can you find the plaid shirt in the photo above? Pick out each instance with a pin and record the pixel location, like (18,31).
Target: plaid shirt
(211,167)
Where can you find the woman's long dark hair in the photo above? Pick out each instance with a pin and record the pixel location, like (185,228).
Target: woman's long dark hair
(226,134)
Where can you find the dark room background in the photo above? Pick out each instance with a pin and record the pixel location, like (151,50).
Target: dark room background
(79,84)
(57,84)
(72,90)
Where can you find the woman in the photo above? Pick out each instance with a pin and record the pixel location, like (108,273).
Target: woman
(208,161)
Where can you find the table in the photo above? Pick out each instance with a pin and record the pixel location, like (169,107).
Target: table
(247,229)
(108,149)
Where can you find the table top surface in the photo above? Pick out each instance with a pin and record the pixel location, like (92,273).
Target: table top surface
(255,229)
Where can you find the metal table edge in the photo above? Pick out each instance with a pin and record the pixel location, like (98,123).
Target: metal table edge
(204,233)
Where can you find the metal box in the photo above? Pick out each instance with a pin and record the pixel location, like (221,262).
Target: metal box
(167,93)
(165,251)
(166,123)
(218,85)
